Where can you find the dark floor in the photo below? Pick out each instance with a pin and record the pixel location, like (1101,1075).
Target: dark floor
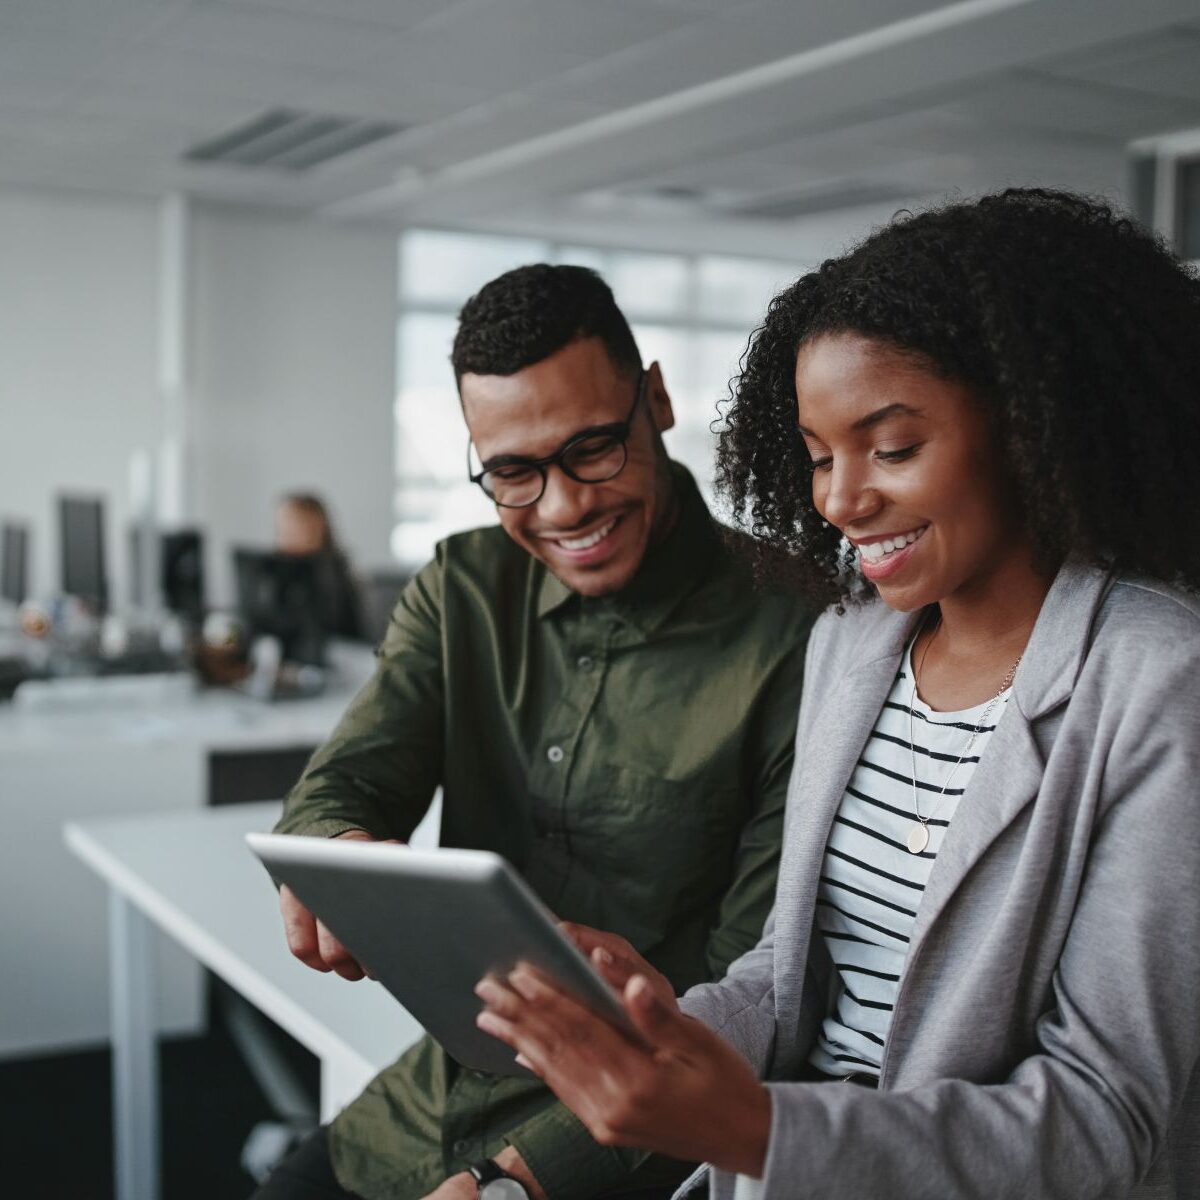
(56,1121)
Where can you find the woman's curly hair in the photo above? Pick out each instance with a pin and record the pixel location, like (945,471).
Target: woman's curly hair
(1078,329)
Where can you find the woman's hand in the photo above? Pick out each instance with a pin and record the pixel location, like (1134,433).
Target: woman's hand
(683,1091)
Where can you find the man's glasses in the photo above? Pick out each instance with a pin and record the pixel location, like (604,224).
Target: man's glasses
(593,455)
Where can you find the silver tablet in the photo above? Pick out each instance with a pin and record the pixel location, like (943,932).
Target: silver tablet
(429,924)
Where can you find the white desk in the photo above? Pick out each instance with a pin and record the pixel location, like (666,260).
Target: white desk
(119,757)
(191,875)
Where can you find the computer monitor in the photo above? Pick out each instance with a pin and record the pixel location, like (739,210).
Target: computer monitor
(178,569)
(279,595)
(81,525)
(181,572)
(14,562)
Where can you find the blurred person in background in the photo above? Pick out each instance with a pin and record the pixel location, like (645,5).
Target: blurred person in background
(603,698)
(303,527)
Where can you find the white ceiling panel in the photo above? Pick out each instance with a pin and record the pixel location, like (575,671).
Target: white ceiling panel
(212,27)
(99,20)
(1164,64)
(1035,101)
(255,81)
(583,29)
(535,105)
(486,126)
(399,14)
(38,69)
(396,95)
(733,38)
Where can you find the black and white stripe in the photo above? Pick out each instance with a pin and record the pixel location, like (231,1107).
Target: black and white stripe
(871,886)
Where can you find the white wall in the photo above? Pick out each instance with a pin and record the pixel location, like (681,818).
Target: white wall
(293,377)
(78,295)
(291,362)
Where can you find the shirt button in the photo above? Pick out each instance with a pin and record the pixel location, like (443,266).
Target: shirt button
(584,662)
(461,1147)
(555,754)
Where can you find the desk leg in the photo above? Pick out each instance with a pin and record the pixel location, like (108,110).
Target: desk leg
(134,1050)
(341,1082)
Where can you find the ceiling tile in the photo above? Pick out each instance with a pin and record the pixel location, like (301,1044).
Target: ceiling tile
(399,14)
(1027,99)
(539,28)
(492,126)
(397,96)
(272,36)
(1164,64)
(113,20)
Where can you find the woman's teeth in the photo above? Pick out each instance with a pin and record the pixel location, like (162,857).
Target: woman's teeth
(874,551)
(586,543)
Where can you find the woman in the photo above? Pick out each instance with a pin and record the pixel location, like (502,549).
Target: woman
(977,434)
(303,527)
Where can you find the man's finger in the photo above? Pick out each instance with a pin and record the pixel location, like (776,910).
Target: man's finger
(588,940)
(615,971)
(300,930)
(335,956)
(660,1026)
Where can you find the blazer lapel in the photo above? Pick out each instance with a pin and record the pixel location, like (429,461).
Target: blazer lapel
(1005,781)
(1010,772)
(831,748)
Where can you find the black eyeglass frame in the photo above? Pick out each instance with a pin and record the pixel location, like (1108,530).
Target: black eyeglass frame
(619,431)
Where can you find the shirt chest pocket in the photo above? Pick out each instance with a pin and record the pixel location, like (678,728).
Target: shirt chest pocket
(659,848)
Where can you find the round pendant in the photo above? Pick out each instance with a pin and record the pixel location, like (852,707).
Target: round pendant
(917,839)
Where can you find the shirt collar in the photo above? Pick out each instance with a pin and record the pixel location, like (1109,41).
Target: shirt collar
(668,572)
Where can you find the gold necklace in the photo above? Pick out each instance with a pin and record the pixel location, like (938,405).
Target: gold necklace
(917,838)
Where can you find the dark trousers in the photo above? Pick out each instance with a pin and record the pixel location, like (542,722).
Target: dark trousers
(307,1174)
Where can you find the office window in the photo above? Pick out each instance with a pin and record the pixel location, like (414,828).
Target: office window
(690,313)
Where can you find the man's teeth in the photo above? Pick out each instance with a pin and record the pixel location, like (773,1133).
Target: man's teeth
(586,543)
(874,551)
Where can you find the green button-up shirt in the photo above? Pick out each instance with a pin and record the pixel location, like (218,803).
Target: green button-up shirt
(629,755)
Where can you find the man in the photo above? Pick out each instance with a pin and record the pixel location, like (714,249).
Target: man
(604,700)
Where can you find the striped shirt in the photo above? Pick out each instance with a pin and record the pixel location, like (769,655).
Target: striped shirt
(871,885)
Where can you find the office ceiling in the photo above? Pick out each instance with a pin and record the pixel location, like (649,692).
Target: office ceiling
(594,116)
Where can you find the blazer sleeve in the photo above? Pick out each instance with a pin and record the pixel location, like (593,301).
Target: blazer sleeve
(1086,1114)
(741,1005)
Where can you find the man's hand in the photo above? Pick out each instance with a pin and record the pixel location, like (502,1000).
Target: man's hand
(618,962)
(458,1187)
(308,939)
(463,1187)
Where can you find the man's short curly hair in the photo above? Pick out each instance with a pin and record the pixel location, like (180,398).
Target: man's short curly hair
(528,314)
(1079,331)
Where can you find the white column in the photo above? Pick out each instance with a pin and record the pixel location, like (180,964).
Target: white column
(176,499)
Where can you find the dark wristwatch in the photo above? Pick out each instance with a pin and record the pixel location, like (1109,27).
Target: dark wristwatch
(495,1183)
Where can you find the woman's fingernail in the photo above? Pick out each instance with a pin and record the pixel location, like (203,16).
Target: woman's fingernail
(524,1062)
(605,957)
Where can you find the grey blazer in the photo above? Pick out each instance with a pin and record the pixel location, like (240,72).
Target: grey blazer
(1046,1033)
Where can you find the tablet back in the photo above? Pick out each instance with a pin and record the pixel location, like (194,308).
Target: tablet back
(429,924)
